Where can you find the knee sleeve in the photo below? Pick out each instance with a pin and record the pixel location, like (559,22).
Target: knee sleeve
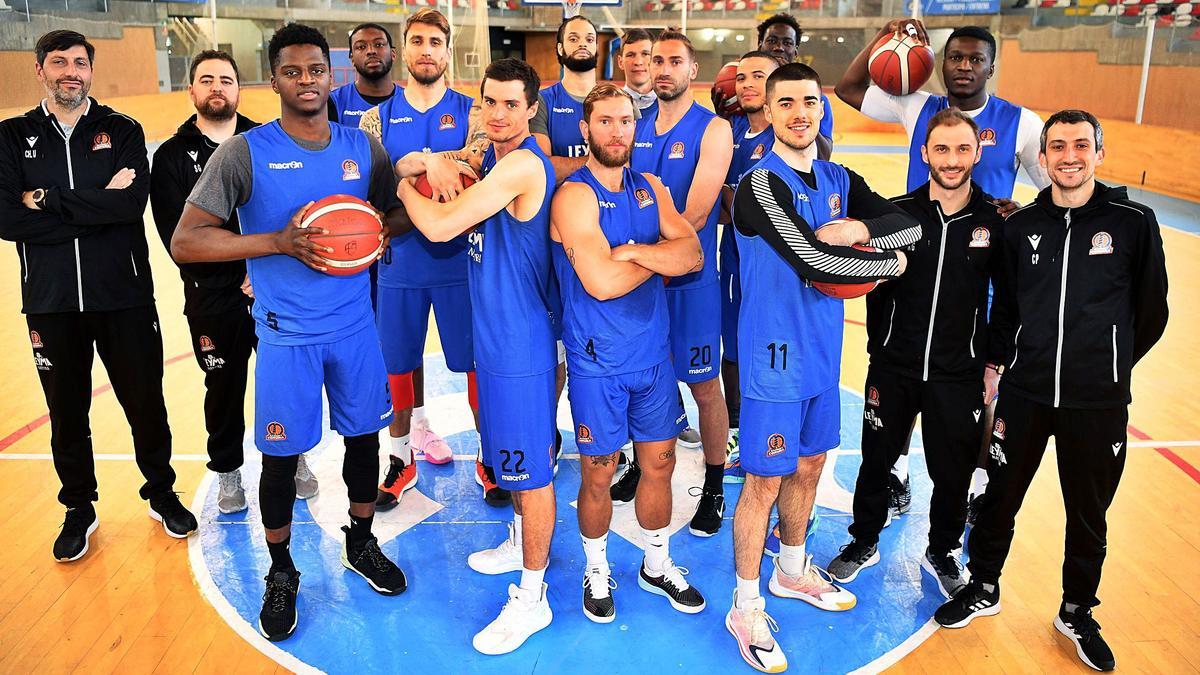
(401,387)
(360,468)
(277,490)
(472,390)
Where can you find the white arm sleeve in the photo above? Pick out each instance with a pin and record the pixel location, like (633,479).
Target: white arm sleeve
(883,107)
(1029,141)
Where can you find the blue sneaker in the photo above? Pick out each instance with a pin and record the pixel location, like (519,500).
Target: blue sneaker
(771,548)
(734,473)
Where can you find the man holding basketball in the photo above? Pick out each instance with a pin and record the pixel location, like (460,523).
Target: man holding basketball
(507,215)
(315,330)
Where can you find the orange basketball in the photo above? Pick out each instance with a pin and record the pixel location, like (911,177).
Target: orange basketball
(900,64)
(848,291)
(355,233)
(425,189)
(724,91)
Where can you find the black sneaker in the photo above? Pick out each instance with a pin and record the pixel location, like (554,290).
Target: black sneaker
(371,564)
(277,620)
(625,489)
(78,526)
(947,571)
(493,494)
(1083,630)
(973,503)
(709,511)
(899,497)
(852,559)
(972,601)
(176,520)
(672,586)
(598,586)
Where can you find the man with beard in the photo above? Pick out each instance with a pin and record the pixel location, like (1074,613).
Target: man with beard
(507,215)
(779,35)
(1082,297)
(217,309)
(790,345)
(673,140)
(372,54)
(927,335)
(73,188)
(634,61)
(560,106)
(619,235)
(316,331)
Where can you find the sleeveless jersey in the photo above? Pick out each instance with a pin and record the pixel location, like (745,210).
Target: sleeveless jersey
(563,117)
(625,334)
(351,105)
(672,157)
(413,261)
(513,302)
(747,150)
(789,333)
(996,171)
(294,304)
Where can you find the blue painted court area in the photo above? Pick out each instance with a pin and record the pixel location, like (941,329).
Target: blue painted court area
(347,628)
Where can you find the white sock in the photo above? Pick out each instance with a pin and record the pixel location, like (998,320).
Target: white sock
(596,551)
(402,448)
(418,413)
(531,583)
(791,559)
(517,529)
(747,589)
(658,549)
(979,481)
(900,468)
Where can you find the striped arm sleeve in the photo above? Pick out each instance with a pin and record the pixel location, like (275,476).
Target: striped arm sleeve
(891,227)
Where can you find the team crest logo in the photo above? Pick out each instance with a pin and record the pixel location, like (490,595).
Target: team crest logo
(987,137)
(446,122)
(758,151)
(275,432)
(998,430)
(775,445)
(350,170)
(873,397)
(206,344)
(584,434)
(835,205)
(1102,244)
(980,238)
(676,150)
(643,197)
(36,339)
(102,141)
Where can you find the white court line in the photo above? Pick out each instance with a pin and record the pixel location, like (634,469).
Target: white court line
(893,656)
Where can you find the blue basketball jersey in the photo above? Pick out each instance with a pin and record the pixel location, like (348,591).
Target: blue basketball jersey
(564,115)
(747,149)
(789,333)
(513,302)
(294,304)
(826,126)
(625,334)
(413,261)
(351,105)
(996,171)
(672,157)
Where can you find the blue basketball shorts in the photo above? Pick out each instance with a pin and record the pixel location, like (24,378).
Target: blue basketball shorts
(517,420)
(610,410)
(731,294)
(402,315)
(776,434)
(695,332)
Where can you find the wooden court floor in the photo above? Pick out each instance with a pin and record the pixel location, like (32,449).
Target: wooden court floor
(132,605)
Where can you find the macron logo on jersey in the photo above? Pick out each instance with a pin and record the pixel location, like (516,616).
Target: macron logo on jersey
(354,113)
(644,144)
(285,165)
(400,120)
(607,205)
(564,110)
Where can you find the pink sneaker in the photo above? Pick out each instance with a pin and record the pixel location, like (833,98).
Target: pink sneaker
(814,586)
(425,440)
(751,626)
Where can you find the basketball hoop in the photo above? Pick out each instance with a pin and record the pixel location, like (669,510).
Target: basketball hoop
(571,8)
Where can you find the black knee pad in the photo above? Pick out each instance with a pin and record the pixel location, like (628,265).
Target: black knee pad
(360,468)
(277,490)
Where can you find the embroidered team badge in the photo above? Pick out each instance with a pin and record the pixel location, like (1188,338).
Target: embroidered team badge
(987,137)
(998,430)
(1102,244)
(350,170)
(775,445)
(873,397)
(980,238)
(643,197)
(446,122)
(583,434)
(102,141)
(275,432)
(758,151)
(36,339)
(835,205)
(206,344)
(676,150)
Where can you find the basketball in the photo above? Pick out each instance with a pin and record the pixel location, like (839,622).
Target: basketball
(900,64)
(354,228)
(426,189)
(724,92)
(848,291)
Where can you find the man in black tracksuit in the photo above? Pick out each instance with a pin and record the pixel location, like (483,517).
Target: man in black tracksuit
(928,339)
(73,188)
(1082,297)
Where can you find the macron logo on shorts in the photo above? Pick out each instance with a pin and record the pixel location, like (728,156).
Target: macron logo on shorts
(285,165)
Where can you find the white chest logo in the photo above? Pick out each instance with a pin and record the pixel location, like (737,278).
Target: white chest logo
(31,140)
(193,154)
(1034,240)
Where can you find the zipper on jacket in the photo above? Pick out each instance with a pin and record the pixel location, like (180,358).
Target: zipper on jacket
(974,323)
(1062,308)
(1016,349)
(71,183)
(1114,352)
(133,262)
(937,287)
(24,264)
(891,319)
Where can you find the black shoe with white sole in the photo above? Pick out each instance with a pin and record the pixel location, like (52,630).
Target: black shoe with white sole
(277,620)
(176,520)
(671,585)
(368,562)
(77,528)
(972,601)
(1082,629)
(947,571)
(598,586)
(853,558)
(899,496)
(625,488)
(709,511)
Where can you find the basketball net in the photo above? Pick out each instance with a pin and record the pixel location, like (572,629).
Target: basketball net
(571,8)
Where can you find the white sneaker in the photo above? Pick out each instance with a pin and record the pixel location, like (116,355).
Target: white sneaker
(751,626)
(520,618)
(507,557)
(231,496)
(306,482)
(689,439)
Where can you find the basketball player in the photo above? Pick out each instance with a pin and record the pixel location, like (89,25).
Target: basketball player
(73,188)
(1081,299)
(372,55)
(927,335)
(315,330)
(780,36)
(560,106)
(634,61)
(512,318)
(423,118)
(619,232)
(790,345)
(673,139)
